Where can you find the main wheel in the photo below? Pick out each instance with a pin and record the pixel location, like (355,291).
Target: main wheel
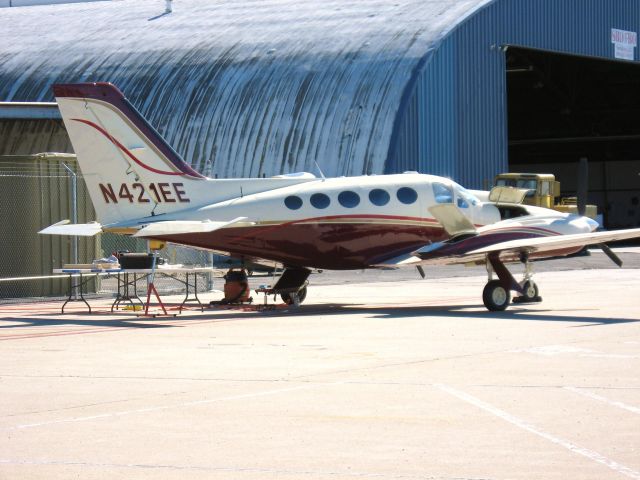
(495,297)
(290,298)
(530,291)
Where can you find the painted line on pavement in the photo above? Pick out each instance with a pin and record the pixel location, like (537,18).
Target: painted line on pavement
(279,472)
(590,454)
(158,408)
(606,400)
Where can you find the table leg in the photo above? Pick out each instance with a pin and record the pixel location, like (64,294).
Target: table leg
(72,287)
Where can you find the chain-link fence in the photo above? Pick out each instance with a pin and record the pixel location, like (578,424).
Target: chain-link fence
(39,190)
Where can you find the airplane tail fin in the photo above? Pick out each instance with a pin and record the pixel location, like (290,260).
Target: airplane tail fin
(130,170)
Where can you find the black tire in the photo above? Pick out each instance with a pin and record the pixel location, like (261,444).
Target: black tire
(288,297)
(495,297)
(530,291)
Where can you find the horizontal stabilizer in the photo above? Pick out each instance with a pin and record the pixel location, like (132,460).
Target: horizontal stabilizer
(178,227)
(545,244)
(66,228)
(452,219)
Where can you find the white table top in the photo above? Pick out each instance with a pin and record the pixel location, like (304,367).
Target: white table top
(159,269)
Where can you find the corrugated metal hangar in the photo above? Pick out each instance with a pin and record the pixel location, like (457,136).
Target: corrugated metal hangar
(463,88)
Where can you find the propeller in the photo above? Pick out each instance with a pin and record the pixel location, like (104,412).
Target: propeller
(607,250)
(583,189)
(421,271)
(583,185)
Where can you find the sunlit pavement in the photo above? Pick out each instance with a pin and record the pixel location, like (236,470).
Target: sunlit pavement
(400,379)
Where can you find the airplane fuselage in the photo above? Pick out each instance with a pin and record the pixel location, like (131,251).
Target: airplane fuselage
(343,223)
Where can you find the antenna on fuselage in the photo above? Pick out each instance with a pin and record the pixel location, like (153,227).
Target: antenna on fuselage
(320,170)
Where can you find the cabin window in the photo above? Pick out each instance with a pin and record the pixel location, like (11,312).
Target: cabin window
(293,202)
(407,195)
(442,193)
(320,200)
(349,199)
(379,197)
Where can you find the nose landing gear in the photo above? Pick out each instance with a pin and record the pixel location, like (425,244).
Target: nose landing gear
(497,293)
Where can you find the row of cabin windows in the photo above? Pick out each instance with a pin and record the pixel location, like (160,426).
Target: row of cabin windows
(350,199)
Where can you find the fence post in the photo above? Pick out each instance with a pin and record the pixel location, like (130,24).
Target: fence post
(74,216)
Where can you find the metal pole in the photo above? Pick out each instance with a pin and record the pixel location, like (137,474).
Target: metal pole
(210,279)
(74,215)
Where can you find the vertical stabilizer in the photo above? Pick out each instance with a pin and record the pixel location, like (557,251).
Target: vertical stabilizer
(130,171)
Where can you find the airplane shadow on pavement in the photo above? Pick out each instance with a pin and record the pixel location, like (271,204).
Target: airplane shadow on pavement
(94,321)
(517,313)
(458,311)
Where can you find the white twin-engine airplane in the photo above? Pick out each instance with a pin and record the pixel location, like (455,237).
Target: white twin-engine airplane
(140,186)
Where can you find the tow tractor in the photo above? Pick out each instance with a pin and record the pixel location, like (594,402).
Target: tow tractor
(543,190)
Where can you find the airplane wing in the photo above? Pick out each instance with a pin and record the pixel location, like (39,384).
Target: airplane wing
(64,227)
(462,253)
(173,227)
(547,244)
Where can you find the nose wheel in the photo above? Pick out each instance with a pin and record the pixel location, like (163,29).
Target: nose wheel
(495,297)
(497,293)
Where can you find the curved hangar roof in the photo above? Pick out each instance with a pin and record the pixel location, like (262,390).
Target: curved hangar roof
(241,88)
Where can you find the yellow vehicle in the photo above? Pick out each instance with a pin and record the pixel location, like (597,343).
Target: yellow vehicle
(543,190)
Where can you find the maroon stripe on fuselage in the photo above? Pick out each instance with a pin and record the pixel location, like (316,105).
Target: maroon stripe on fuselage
(334,246)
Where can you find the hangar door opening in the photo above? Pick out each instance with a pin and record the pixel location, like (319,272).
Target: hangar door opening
(561,108)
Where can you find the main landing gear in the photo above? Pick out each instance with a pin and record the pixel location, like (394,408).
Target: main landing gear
(291,286)
(497,293)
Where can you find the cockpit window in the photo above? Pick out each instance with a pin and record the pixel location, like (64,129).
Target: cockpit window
(442,193)
(466,198)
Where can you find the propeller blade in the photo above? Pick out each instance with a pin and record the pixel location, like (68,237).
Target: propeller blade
(614,258)
(583,185)
(421,271)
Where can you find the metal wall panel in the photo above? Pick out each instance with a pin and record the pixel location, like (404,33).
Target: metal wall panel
(240,88)
(472,58)
(245,88)
(26,137)
(426,137)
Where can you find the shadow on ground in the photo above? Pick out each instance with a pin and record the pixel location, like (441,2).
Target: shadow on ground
(373,312)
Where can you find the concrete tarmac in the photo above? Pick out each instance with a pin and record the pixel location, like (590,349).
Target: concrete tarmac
(408,379)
